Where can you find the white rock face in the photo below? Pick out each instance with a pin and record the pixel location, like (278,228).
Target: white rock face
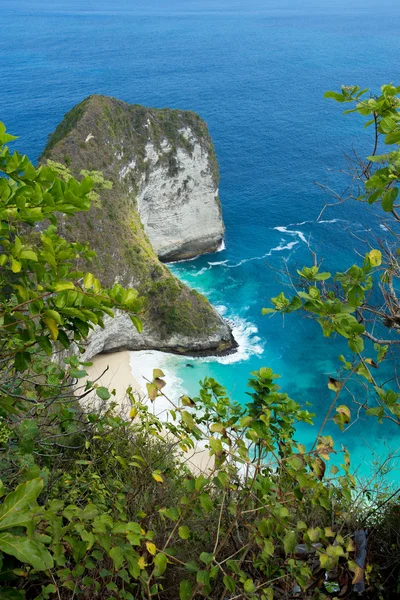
(120,334)
(178,201)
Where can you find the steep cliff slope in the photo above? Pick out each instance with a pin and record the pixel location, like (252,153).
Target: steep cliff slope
(141,149)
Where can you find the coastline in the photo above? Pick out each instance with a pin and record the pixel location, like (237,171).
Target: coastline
(119,370)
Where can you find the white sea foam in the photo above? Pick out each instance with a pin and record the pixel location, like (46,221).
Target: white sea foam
(249,344)
(203,270)
(279,248)
(177,262)
(221,246)
(244,332)
(142,364)
(299,234)
(220,262)
(221,308)
(317,222)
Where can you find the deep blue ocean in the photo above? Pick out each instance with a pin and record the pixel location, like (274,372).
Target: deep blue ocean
(256,71)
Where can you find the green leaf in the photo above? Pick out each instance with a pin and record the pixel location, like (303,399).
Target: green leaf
(22,361)
(205,502)
(335,96)
(375,258)
(27,551)
(289,542)
(203,577)
(184,532)
(185,590)
(389,198)
(103,393)
(53,314)
(223,479)
(322,276)
(29,255)
(88,280)
(356,344)
(188,419)
(51,326)
(45,345)
(137,323)
(392,138)
(249,586)
(296,461)
(112,587)
(280,302)
(229,583)
(172,513)
(268,311)
(117,557)
(63,285)
(15,265)
(206,557)
(377,411)
(269,548)
(160,561)
(216,444)
(12,510)
(192,566)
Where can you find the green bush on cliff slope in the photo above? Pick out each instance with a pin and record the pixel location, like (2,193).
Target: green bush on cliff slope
(95,505)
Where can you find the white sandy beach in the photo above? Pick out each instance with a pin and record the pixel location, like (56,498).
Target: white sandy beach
(114,372)
(121,370)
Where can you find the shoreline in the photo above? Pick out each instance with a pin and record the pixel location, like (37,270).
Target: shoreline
(119,370)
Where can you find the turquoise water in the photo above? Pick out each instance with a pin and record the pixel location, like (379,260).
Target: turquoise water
(256,71)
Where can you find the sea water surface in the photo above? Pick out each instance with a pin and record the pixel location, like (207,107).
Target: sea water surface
(256,71)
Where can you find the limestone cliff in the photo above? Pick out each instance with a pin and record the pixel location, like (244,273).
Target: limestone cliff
(164,173)
(163,159)
(177,197)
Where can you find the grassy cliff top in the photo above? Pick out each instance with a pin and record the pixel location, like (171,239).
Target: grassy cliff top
(127,126)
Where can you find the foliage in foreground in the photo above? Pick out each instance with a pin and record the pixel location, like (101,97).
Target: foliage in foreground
(123,517)
(97,506)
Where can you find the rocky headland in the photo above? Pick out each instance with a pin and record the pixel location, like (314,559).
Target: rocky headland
(163,206)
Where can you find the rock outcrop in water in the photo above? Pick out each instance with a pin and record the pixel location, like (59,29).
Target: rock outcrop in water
(163,159)
(163,203)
